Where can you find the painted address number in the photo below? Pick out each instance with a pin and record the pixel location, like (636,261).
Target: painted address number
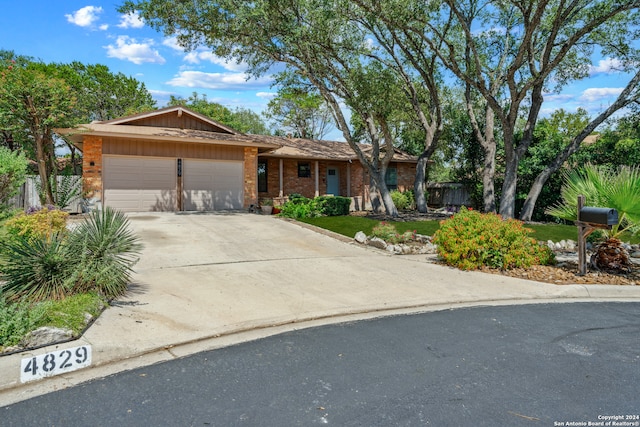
(55,363)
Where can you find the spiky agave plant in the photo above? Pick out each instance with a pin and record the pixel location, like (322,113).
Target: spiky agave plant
(36,269)
(106,251)
(604,187)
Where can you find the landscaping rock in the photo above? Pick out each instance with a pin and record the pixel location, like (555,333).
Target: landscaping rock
(377,242)
(44,336)
(635,254)
(361,237)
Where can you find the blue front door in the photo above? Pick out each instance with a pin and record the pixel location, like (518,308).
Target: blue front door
(333,181)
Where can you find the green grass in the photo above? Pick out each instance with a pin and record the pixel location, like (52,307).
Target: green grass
(69,313)
(350,225)
(18,319)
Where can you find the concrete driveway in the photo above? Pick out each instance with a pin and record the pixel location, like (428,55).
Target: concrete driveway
(209,280)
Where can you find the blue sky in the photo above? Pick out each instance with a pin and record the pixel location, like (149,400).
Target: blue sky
(93,32)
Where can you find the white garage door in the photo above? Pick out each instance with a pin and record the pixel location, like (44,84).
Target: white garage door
(139,184)
(212,185)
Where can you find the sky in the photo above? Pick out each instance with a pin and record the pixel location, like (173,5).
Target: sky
(93,32)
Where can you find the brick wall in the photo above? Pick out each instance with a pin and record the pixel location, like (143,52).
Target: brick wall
(250,176)
(92,167)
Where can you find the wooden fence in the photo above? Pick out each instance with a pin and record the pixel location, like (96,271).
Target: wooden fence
(29,197)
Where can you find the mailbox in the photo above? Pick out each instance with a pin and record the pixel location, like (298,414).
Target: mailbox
(600,216)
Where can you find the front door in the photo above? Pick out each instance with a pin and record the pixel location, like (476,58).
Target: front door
(333,181)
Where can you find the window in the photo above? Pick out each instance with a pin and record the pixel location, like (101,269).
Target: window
(391,178)
(262,176)
(304,170)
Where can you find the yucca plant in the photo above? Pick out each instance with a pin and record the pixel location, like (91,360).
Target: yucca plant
(603,187)
(106,251)
(36,269)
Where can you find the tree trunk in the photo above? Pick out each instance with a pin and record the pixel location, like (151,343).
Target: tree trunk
(374,196)
(420,185)
(47,193)
(534,192)
(508,197)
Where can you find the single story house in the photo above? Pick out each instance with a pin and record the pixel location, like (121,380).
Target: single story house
(174,159)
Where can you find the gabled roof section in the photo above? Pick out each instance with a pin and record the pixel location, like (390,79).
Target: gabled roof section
(176,117)
(327,150)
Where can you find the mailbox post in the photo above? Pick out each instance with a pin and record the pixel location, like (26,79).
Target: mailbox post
(590,219)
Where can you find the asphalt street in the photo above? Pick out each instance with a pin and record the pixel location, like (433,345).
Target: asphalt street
(529,365)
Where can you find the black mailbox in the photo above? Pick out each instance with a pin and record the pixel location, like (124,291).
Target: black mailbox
(600,216)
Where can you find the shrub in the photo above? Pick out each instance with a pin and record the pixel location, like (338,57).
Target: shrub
(36,269)
(13,167)
(402,200)
(106,251)
(389,233)
(300,207)
(470,240)
(333,205)
(17,320)
(37,223)
(97,256)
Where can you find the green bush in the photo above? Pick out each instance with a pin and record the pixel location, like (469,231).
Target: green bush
(390,234)
(402,201)
(13,169)
(106,251)
(300,207)
(40,223)
(99,255)
(333,205)
(17,320)
(36,269)
(470,240)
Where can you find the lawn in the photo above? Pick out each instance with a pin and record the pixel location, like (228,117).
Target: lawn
(350,225)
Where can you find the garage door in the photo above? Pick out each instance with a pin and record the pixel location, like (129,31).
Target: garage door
(139,184)
(212,185)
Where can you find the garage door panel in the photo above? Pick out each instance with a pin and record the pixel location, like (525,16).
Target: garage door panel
(213,185)
(138,184)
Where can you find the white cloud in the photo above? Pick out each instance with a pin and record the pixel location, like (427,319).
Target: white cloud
(172,42)
(606,66)
(104,27)
(561,97)
(129,49)
(266,95)
(85,16)
(198,56)
(131,20)
(600,93)
(225,81)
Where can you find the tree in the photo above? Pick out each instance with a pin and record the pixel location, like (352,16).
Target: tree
(313,41)
(629,95)
(240,119)
(301,113)
(32,103)
(509,52)
(551,136)
(13,167)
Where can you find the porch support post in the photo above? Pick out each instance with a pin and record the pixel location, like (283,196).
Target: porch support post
(281,178)
(317,179)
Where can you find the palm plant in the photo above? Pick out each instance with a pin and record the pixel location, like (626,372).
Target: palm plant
(603,187)
(107,250)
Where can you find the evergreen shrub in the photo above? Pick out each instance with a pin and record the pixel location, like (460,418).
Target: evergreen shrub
(469,240)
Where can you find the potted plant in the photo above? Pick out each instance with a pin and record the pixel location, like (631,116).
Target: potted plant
(266,205)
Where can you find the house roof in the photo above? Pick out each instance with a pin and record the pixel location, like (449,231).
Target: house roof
(179,110)
(77,134)
(151,126)
(326,150)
